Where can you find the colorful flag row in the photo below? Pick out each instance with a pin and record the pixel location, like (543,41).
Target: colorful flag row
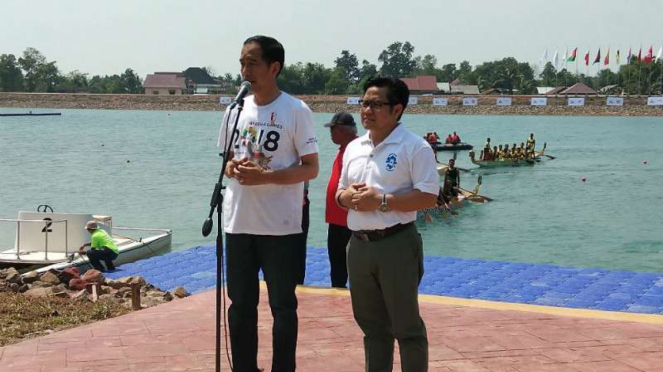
(571,57)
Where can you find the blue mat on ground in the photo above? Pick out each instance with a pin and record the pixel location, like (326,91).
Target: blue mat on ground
(537,284)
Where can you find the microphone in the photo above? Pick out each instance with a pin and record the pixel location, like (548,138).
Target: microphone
(243,91)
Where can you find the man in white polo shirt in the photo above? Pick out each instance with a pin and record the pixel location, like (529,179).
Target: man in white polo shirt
(388,174)
(274,152)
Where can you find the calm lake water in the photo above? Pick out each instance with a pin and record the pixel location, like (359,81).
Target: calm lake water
(158,169)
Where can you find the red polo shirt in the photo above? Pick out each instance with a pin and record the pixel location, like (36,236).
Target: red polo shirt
(333,213)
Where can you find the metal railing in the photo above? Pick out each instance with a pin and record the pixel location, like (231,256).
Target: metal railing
(47,224)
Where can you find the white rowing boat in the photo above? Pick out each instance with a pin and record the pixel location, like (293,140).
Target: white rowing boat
(48,240)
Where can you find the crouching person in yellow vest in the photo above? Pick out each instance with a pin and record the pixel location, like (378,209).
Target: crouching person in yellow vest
(102,247)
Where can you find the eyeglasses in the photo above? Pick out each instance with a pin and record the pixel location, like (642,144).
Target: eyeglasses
(374,105)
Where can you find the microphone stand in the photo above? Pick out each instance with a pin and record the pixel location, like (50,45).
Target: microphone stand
(217,203)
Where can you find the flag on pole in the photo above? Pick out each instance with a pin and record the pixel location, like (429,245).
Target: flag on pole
(606,60)
(640,56)
(554,59)
(659,54)
(566,51)
(598,57)
(617,57)
(573,55)
(629,56)
(587,59)
(649,56)
(544,57)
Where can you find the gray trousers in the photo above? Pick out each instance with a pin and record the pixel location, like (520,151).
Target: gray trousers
(384,280)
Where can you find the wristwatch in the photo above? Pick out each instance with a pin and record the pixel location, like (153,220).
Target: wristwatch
(383,206)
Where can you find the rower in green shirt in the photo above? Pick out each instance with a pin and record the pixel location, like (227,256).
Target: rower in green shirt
(102,247)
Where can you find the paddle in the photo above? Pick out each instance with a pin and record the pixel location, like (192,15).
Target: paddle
(551,157)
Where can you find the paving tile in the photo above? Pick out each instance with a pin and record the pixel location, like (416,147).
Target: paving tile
(642,361)
(610,366)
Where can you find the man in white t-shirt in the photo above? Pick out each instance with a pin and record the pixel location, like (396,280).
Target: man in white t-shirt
(388,174)
(275,151)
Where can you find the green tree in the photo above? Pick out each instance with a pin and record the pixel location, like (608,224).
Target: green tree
(11,76)
(548,75)
(337,83)
(465,73)
(31,62)
(48,76)
(427,65)
(350,64)
(448,73)
(315,76)
(291,78)
(397,60)
(73,82)
(131,81)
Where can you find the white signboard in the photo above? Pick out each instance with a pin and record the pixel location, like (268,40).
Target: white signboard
(577,101)
(470,101)
(413,101)
(614,101)
(440,102)
(655,101)
(225,100)
(503,101)
(353,101)
(539,101)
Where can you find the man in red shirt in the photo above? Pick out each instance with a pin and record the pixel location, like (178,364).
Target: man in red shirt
(343,130)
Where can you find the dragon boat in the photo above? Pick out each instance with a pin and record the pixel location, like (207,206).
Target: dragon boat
(511,162)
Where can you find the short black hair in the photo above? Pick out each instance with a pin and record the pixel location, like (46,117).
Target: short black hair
(272,50)
(397,90)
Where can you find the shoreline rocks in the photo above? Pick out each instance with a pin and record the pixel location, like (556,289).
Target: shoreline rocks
(557,105)
(78,288)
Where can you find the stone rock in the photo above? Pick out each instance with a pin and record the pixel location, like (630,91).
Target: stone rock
(106,290)
(14,287)
(39,292)
(49,277)
(115,284)
(14,278)
(138,280)
(77,284)
(40,284)
(30,277)
(23,288)
(126,281)
(110,298)
(59,288)
(124,292)
(92,276)
(81,295)
(179,292)
(4,273)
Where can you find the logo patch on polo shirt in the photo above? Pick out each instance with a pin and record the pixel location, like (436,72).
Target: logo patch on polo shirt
(391,162)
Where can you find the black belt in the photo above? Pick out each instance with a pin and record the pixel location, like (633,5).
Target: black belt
(374,235)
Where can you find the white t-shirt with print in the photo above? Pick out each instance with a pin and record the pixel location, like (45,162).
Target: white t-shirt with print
(276,136)
(400,163)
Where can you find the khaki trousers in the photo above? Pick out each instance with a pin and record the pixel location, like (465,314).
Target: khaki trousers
(384,280)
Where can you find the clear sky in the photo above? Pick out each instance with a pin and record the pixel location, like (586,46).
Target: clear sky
(106,37)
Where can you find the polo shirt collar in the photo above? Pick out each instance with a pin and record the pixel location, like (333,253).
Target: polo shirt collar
(396,135)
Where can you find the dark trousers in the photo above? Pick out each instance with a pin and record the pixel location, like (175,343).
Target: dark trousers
(98,255)
(301,250)
(278,259)
(384,280)
(337,243)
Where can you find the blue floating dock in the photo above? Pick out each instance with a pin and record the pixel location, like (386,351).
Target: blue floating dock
(536,284)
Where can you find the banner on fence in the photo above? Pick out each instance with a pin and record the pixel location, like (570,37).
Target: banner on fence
(440,102)
(353,101)
(503,101)
(614,101)
(576,101)
(470,101)
(655,101)
(225,100)
(413,101)
(539,101)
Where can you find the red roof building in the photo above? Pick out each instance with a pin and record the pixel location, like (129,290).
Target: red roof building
(168,83)
(578,88)
(421,84)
